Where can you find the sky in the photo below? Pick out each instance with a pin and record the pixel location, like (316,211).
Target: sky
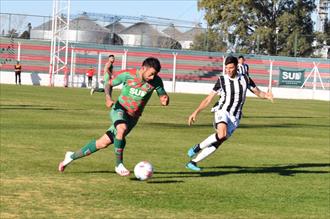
(173,9)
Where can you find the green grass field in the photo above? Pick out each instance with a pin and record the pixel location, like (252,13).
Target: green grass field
(276,165)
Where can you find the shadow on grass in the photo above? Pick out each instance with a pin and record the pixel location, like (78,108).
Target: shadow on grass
(161,177)
(153,181)
(31,107)
(287,117)
(164,181)
(176,125)
(285,125)
(92,172)
(163,125)
(282,170)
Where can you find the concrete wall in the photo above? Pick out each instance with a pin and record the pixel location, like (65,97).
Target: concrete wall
(180,87)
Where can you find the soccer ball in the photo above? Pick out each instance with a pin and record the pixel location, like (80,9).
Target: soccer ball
(143,170)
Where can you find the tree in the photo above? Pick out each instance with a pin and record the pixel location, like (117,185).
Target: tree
(276,26)
(210,41)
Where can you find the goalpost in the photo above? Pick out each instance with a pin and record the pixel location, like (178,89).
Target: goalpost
(80,79)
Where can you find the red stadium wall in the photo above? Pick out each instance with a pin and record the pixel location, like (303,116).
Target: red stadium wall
(191,66)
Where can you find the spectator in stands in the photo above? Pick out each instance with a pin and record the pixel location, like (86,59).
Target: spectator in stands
(243,68)
(107,74)
(90,74)
(18,69)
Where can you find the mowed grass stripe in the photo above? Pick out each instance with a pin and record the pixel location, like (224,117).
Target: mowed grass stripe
(276,165)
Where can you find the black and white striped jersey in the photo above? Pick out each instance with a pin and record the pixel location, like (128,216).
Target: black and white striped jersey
(232,93)
(243,69)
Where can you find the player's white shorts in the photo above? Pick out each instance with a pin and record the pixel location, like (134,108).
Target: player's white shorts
(231,121)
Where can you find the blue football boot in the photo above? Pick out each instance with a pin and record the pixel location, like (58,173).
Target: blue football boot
(193,167)
(191,153)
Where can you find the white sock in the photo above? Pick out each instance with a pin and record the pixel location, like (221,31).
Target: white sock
(204,153)
(67,158)
(208,141)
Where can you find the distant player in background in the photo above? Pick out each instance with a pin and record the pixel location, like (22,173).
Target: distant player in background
(243,68)
(90,73)
(107,74)
(18,70)
(232,88)
(138,86)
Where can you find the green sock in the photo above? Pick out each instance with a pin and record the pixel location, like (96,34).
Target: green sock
(86,150)
(119,150)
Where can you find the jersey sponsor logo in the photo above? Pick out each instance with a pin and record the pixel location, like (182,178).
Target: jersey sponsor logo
(137,92)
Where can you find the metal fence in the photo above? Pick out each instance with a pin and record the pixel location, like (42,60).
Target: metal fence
(88,30)
(135,33)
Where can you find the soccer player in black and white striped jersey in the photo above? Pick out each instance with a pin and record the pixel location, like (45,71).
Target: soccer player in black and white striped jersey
(232,88)
(243,68)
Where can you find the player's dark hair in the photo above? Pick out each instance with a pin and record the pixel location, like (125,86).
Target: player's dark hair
(240,57)
(152,62)
(111,56)
(231,59)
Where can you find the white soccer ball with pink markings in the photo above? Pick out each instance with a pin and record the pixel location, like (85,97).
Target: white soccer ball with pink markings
(143,170)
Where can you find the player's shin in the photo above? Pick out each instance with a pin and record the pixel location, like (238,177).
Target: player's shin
(208,151)
(119,146)
(204,153)
(209,141)
(88,149)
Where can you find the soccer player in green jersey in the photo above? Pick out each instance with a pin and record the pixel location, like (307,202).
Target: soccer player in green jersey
(138,86)
(107,72)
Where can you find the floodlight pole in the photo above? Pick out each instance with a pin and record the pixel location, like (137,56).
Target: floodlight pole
(60,29)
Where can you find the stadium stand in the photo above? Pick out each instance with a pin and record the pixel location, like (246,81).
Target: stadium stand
(190,65)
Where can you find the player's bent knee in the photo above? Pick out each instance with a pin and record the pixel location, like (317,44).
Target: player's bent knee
(222,134)
(222,130)
(121,129)
(220,140)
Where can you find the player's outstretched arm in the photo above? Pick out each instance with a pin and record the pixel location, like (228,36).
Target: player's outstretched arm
(202,105)
(264,95)
(164,100)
